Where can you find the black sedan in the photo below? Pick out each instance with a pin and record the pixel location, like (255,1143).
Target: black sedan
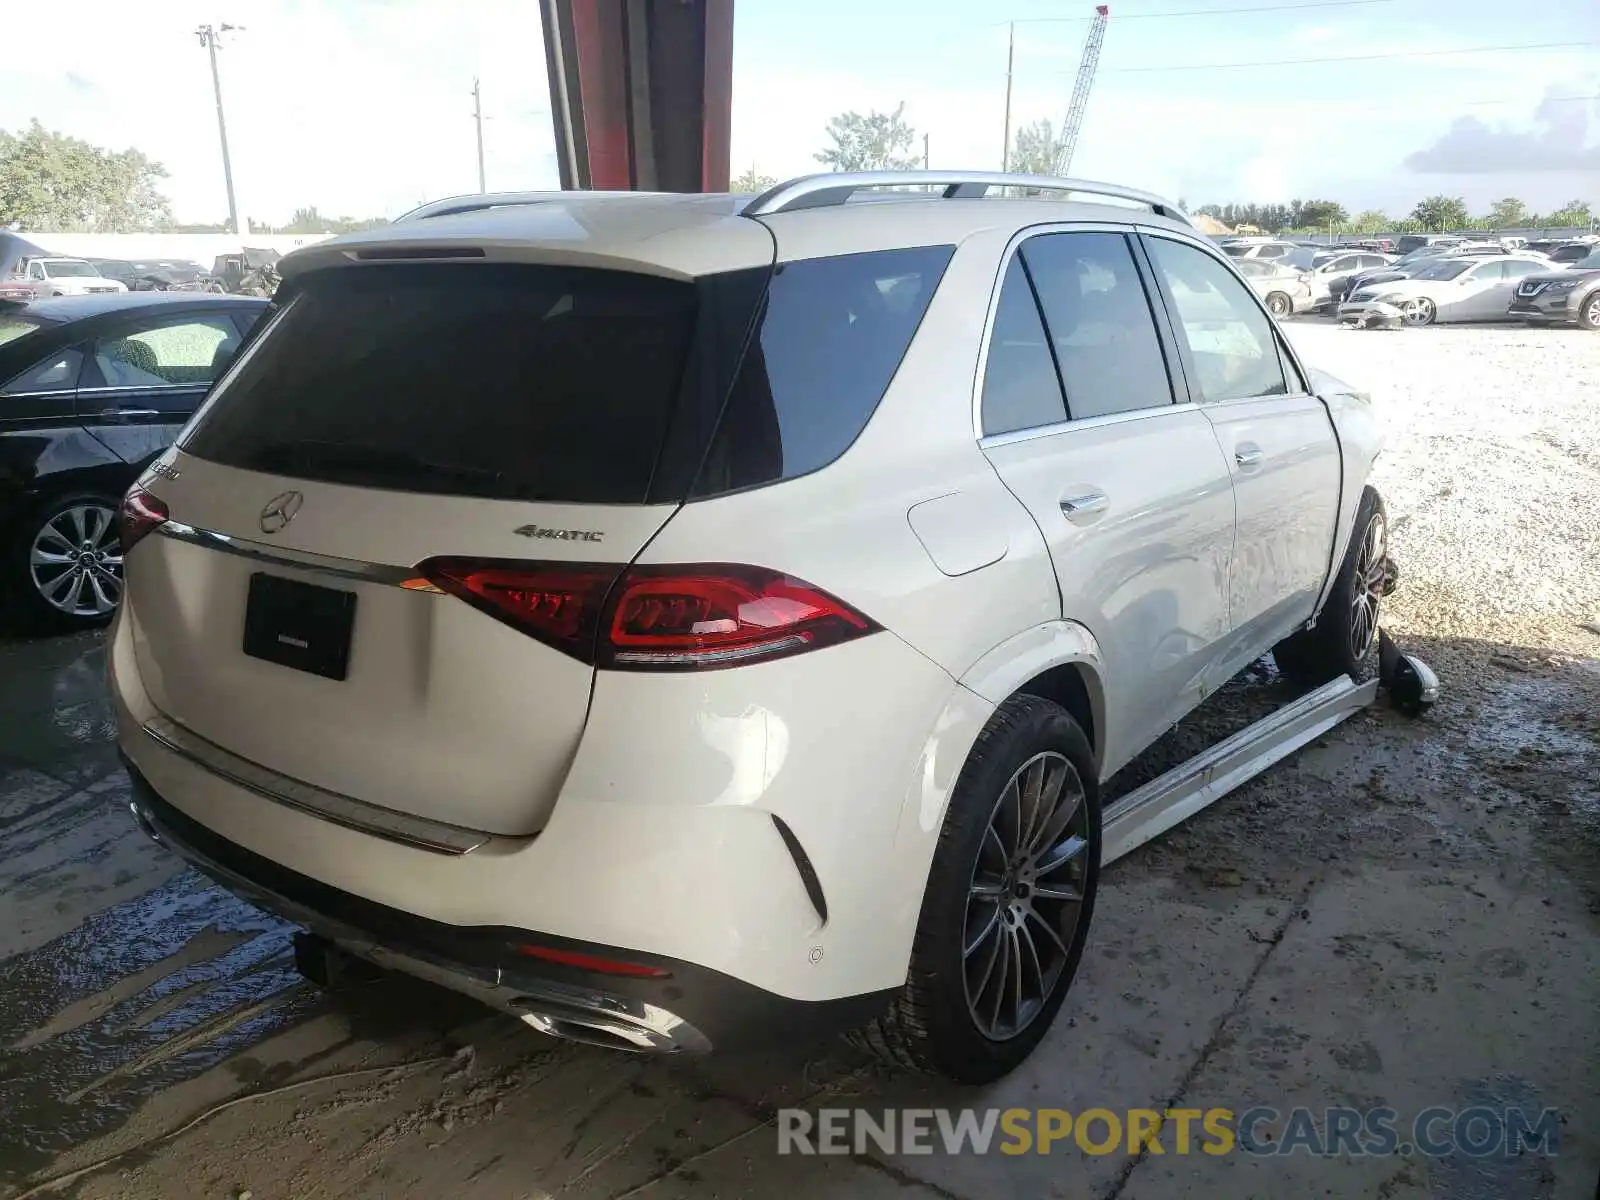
(92,388)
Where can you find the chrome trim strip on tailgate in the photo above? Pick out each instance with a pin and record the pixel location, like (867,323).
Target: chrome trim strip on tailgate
(300,560)
(386,823)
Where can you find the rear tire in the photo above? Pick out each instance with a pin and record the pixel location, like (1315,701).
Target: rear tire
(1346,632)
(1279,305)
(990,909)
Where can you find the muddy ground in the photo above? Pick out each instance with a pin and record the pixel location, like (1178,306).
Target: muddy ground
(1405,914)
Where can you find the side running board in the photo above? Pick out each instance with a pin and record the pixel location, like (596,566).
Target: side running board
(1204,779)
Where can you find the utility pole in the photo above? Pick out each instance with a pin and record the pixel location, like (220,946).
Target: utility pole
(924,152)
(210,39)
(1011,55)
(477,117)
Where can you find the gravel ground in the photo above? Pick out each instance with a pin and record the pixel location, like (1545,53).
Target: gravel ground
(1405,913)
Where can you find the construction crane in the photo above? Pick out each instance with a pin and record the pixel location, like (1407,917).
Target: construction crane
(1080,88)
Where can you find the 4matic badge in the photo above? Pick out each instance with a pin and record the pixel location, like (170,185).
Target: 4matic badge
(559,535)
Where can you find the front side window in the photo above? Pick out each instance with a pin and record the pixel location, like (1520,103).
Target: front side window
(1516,268)
(1099,321)
(187,351)
(57,373)
(1020,386)
(35,270)
(1230,338)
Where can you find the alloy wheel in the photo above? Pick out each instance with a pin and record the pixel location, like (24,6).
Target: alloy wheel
(1591,312)
(76,561)
(1366,602)
(1419,311)
(1025,900)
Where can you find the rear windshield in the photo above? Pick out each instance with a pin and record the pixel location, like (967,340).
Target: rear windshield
(568,385)
(509,382)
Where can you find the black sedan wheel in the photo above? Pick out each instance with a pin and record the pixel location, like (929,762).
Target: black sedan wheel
(68,561)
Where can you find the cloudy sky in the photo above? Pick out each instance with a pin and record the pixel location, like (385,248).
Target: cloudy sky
(363,107)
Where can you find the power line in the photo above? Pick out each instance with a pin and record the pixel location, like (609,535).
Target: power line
(1201,12)
(1346,58)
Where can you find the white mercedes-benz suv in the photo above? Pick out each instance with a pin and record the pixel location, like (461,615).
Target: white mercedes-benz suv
(685,621)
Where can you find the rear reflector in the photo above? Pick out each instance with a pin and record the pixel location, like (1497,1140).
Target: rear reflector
(654,618)
(140,513)
(589,962)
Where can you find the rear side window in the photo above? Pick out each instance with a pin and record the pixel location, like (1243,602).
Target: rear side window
(829,341)
(1020,387)
(183,351)
(501,381)
(1098,314)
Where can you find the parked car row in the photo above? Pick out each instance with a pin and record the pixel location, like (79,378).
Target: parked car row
(1478,287)
(1432,278)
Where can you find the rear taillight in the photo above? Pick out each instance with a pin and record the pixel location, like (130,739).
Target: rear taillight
(140,513)
(655,618)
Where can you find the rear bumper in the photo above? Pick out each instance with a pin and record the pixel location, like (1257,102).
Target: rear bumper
(686,1008)
(773,831)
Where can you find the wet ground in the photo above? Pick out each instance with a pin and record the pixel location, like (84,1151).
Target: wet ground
(1405,914)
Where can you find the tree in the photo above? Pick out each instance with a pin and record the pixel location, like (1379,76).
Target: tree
(1319,214)
(1509,213)
(1574,212)
(1369,222)
(874,142)
(1035,149)
(309,220)
(752,182)
(50,182)
(1439,213)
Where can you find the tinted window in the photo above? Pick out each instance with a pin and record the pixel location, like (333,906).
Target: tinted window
(514,382)
(1098,317)
(830,339)
(58,373)
(1443,270)
(186,350)
(1020,387)
(1229,337)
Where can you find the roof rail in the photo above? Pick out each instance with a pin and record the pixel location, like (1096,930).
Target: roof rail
(479,202)
(826,191)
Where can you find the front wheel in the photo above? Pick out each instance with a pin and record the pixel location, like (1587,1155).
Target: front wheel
(1420,311)
(1341,641)
(1279,305)
(66,565)
(1589,315)
(1008,902)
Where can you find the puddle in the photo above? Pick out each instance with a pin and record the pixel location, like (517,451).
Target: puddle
(140,996)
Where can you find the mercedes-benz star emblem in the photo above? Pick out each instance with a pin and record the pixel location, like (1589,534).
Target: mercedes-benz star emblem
(280,510)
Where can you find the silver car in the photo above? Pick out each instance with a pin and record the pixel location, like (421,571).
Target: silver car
(1283,289)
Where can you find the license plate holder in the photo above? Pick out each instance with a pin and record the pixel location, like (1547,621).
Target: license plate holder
(299,625)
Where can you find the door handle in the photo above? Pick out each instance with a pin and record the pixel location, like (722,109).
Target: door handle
(1247,455)
(111,414)
(1089,504)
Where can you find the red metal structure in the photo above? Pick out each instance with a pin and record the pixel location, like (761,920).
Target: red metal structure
(641,92)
